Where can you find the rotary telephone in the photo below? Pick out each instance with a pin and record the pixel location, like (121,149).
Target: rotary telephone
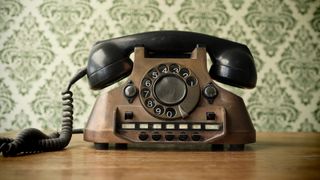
(169,96)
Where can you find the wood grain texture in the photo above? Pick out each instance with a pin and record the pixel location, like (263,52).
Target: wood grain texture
(274,156)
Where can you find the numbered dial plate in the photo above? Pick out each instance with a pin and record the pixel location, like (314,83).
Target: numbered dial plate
(169,91)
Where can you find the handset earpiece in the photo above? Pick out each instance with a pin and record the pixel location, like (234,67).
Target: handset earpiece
(235,67)
(107,64)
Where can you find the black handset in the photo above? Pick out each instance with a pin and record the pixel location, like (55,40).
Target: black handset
(232,62)
(108,62)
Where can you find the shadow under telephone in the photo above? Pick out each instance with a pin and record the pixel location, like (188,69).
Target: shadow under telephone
(169,96)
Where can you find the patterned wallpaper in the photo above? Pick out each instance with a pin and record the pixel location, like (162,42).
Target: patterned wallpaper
(44,42)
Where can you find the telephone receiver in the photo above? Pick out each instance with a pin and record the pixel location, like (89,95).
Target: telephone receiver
(232,63)
(199,111)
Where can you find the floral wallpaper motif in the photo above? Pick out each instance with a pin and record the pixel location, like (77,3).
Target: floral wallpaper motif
(300,64)
(8,11)
(65,18)
(203,16)
(270,22)
(271,107)
(134,16)
(44,42)
(98,30)
(27,51)
(7,103)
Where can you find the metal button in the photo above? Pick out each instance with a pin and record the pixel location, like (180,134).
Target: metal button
(209,91)
(130,91)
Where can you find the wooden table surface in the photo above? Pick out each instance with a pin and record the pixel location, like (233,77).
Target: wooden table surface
(274,156)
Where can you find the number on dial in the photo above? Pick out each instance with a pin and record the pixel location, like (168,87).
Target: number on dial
(191,81)
(145,92)
(170,112)
(149,103)
(158,110)
(146,82)
(153,73)
(174,68)
(184,72)
(163,68)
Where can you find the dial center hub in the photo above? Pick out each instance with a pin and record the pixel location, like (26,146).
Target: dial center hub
(170,90)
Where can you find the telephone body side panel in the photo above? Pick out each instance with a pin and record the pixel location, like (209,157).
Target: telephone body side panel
(230,124)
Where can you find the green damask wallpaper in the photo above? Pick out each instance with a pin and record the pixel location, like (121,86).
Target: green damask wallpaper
(44,42)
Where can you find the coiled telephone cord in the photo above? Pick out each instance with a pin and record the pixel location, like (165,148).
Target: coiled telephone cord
(32,140)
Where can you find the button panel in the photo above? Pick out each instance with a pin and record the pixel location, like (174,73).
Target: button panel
(205,124)
(173,132)
(168,88)
(171,126)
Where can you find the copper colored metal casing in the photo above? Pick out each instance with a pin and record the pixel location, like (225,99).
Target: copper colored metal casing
(108,114)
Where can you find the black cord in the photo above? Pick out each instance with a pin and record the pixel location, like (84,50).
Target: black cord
(77,131)
(32,140)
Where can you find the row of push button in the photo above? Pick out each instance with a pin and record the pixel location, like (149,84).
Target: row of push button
(159,126)
(143,136)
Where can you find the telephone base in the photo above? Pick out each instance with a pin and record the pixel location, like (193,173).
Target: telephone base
(194,110)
